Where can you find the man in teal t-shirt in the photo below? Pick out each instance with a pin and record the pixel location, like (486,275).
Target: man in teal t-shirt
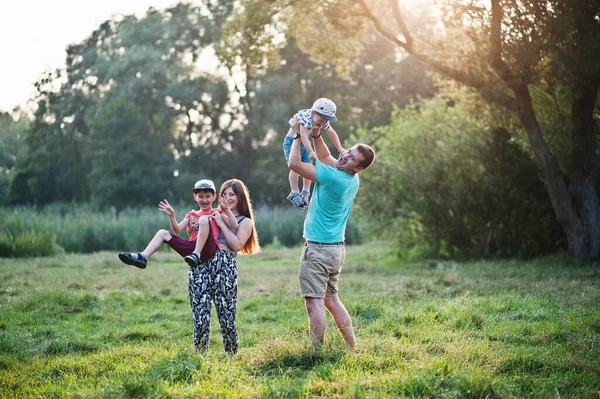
(324,231)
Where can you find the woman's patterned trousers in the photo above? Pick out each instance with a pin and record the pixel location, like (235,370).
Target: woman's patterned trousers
(215,280)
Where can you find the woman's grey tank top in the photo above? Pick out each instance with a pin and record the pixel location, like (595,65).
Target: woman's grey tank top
(221,237)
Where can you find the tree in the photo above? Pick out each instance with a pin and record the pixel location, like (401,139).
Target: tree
(138,75)
(130,173)
(49,166)
(449,182)
(274,96)
(134,85)
(12,134)
(504,52)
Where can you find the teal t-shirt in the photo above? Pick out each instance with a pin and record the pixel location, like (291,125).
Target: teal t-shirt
(330,204)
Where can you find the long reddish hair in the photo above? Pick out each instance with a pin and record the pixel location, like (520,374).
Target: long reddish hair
(244,207)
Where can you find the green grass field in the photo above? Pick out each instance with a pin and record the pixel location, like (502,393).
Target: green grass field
(87,326)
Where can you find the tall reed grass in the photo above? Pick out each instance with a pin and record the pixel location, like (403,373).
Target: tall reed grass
(31,231)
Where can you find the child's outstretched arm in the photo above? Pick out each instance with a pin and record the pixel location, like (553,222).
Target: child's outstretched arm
(228,217)
(304,133)
(335,139)
(165,207)
(322,150)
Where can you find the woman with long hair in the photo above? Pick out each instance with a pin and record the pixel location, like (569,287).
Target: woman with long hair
(216,279)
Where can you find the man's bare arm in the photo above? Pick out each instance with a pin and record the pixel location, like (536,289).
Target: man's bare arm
(304,169)
(323,151)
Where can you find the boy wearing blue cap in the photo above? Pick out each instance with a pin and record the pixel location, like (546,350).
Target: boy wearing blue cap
(311,121)
(204,194)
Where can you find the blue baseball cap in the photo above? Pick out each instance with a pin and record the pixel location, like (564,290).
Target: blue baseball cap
(204,184)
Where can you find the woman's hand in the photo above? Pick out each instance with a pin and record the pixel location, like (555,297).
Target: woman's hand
(216,215)
(224,202)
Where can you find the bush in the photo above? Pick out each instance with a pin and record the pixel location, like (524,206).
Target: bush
(28,244)
(286,225)
(6,247)
(24,234)
(445,179)
(76,229)
(29,231)
(35,244)
(354,233)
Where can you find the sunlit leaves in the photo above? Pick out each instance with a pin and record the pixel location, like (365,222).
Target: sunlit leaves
(250,36)
(329,32)
(457,38)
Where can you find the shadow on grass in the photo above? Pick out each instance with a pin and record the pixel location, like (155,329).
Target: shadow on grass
(68,347)
(294,360)
(134,386)
(155,381)
(57,302)
(177,369)
(140,336)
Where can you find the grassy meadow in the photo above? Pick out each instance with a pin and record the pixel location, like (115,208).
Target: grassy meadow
(87,326)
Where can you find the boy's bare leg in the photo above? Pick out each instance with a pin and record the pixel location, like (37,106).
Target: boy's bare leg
(342,319)
(195,257)
(156,242)
(203,231)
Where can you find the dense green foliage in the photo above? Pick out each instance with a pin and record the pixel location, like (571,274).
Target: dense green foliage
(137,115)
(113,130)
(447,182)
(89,326)
(365,102)
(58,228)
(512,53)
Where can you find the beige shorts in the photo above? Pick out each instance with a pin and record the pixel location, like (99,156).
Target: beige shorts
(320,267)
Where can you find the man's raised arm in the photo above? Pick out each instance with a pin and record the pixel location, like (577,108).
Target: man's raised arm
(322,151)
(304,169)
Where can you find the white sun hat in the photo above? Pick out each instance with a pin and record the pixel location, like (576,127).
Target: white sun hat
(325,108)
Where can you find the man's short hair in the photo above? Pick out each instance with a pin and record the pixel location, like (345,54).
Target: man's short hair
(367,153)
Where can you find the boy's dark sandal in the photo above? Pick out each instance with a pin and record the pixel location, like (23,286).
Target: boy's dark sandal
(192,260)
(128,259)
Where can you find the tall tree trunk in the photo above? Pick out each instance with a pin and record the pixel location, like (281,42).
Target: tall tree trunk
(582,184)
(575,203)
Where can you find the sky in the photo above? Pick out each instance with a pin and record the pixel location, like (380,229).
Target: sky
(34,35)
